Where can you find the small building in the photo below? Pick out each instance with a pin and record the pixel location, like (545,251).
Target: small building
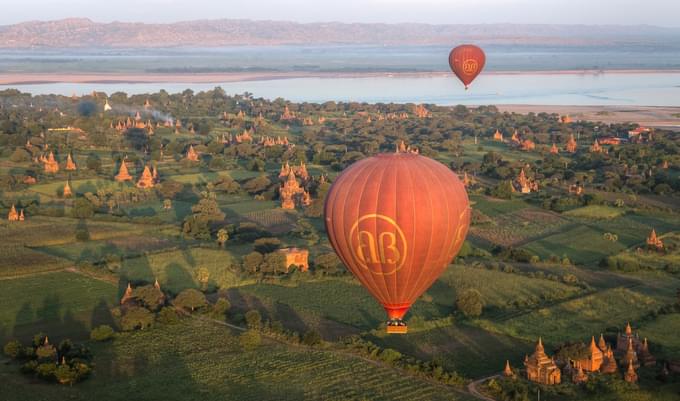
(51,165)
(70,164)
(554,150)
(498,136)
(123,173)
(594,360)
(630,376)
(147,179)
(191,154)
(507,371)
(654,242)
(296,257)
(540,368)
(67,193)
(528,145)
(571,144)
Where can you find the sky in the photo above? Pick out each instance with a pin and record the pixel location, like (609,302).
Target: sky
(591,12)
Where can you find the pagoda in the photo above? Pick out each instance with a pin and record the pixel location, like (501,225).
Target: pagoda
(306,198)
(540,368)
(285,170)
(630,376)
(421,111)
(553,149)
(566,119)
(296,257)
(123,174)
(287,114)
(191,154)
(623,339)
(593,361)
(609,365)
(107,106)
(580,376)
(70,164)
(646,358)
(146,180)
(597,148)
(302,172)
(466,179)
(571,144)
(630,356)
(67,191)
(147,104)
(654,242)
(601,343)
(528,145)
(507,371)
(289,191)
(524,184)
(51,166)
(498,136)
(13,214)
(515,137)
(127,296)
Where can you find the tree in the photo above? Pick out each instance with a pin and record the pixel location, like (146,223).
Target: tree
(327,263)
(82,209)
(257,185)
(191,299)
(250,339)
(93,162)
(267,245)
(469,302)
(221,307)
(503,190)
(102,333)
(311,337)
(87,108)
(137,318)
(222,236)
(252,262)
(13,349)
(20,155)
(149,296)
(204,212)
(253,319)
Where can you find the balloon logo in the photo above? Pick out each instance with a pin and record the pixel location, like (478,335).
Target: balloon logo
(467,61)
(388,249)
(396,221)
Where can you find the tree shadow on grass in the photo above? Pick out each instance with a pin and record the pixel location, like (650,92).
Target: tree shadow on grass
(177,278)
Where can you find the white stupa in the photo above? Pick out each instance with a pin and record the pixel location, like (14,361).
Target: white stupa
(107,106)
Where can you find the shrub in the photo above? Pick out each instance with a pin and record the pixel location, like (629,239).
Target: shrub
(311,337)
(102,333)
(191,299)
(137,318)
(253,319)
(469,302)
(250,339)
(390,355)
(13,349)
(221,308)
(168,315)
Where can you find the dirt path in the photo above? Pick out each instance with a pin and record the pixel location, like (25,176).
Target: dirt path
(472,388)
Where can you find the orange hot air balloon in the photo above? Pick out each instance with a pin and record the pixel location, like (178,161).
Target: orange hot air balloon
(396,221)
(467,61)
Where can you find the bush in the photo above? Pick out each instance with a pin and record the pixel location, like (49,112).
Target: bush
(311,337)
(167,315)
(13,349)
(102,333)
(253,319)
(469,302)
(191,299)
(82,209)
(250,339)
(46,370)
(267,245)
(137,318)
(220,309)
(390,355)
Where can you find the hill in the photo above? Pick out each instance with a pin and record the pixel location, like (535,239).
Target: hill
(84,33)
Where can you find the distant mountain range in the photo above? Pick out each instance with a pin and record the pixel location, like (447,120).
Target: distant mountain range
(84,33)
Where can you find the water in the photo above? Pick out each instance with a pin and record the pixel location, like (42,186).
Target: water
(634,89)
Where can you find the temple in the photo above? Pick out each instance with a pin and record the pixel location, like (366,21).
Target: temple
(654,242)
(191,154)
(630,376)
(571,144)
(507,371)
(553,149)
(421,111)
(13,215)
(498,136)
(147,179)
(51,166)
(107,106)
(296,257)
(290,191)
(67,191)
(594,360)
(566,119)
(596,148)
(123,174)
(541,368)
(287,114)
(515,137)
(523,184)
(70,164)
(528,145)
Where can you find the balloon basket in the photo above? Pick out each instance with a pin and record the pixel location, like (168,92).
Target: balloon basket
(397,329)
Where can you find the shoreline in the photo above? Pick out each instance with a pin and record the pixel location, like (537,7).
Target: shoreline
(9,78)
(650,116)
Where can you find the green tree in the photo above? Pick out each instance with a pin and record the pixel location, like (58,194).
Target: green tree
(222,236)
(267,245)
(190,299)
(137,318)
(93,162)
(250,339)
(469,302)
(252,262)
(82,209)
(311,337)
(13,349)
(149,296)
(253,319)
(503,190)
(257,185)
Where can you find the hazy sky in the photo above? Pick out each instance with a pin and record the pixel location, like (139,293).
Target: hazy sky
(620,12)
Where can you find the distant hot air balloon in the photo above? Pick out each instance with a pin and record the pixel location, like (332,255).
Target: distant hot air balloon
(467,61)
(396,221)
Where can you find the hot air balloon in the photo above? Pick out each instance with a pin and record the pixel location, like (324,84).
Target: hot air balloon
(396,221)
(467,61)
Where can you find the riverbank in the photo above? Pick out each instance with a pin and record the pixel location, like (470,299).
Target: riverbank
(660,117)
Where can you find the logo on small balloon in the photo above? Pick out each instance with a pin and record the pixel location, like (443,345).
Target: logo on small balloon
(378,244)
(470,66)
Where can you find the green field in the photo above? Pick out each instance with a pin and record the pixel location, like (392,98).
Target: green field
(62,303)
(663,331)
(596,212)
(197,360)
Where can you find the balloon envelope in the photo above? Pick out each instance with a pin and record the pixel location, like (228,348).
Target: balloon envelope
(396,221)
(467,61)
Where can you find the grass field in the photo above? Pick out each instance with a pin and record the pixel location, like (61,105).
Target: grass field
(663,331)
(596,212)
(517,226)
(577,319)
(178,270)
(197,360)
(61,303)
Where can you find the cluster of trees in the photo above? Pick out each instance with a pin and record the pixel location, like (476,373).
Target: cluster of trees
(66,363)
